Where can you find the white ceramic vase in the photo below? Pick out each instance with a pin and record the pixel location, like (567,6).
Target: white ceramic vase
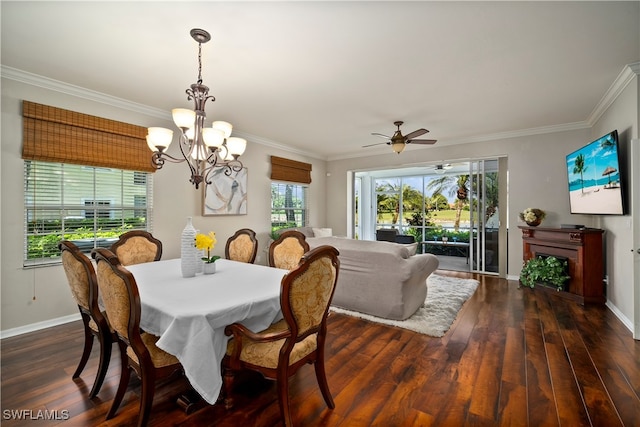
(190,263)
(199,255)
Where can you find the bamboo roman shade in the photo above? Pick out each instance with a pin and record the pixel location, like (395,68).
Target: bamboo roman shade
(52,134)
(290,170)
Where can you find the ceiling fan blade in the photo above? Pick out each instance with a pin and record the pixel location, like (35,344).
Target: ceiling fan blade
(381,135)
(415,133)
(377,143)
(422,141)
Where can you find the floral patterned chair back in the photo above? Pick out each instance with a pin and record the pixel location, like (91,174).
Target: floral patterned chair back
(287,250)
(136,247)
(285,346)
(242,246)
(138,350)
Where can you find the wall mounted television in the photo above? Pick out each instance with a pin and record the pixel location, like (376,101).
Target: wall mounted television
(595,184)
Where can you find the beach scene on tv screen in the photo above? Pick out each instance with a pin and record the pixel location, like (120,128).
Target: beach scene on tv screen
(594,178)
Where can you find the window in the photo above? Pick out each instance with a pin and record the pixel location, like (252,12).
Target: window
(288,205)
(95,208)
(87,205)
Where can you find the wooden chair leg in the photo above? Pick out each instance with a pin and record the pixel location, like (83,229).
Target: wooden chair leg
(88,345)
(146,397)
(103,365)
(125,374)
(227,380)
(283,396)
(321,376)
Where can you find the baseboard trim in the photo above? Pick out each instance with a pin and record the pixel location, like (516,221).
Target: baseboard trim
(626,322)
(38,326)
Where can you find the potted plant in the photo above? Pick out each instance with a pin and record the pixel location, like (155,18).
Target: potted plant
(545,270)
(532,216)
(207,242)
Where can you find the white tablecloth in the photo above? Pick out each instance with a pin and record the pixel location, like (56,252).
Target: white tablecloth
(190,314)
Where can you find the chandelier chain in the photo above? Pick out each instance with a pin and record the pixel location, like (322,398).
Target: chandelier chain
(199,63)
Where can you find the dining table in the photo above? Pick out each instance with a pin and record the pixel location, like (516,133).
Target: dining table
(190,314)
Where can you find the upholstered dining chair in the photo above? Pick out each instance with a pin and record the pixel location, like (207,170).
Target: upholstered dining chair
(138,350)
(281,349)
(82,281)
(136,247)
(242,246)
(287,250)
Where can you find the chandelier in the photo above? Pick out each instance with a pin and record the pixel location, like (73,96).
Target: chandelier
(203,148)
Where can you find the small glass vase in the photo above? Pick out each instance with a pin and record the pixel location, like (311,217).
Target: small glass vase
(209,267)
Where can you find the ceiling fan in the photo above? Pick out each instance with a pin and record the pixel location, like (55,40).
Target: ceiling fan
(442,168)
(399,141)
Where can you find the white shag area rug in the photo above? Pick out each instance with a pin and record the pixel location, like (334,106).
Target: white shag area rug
(445,297)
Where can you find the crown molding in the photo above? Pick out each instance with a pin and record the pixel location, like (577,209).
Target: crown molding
(628,73)
(80,92)
(272,144)
(484,138)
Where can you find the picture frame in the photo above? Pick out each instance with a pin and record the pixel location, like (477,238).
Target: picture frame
(227,194)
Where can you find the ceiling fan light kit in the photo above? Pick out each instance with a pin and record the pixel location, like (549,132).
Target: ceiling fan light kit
(397,147)
(441,169)
(398,142)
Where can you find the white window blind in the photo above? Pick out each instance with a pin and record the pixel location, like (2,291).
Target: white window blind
(90,206)
(288,205)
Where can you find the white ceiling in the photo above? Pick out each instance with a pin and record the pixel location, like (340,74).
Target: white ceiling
(322,76)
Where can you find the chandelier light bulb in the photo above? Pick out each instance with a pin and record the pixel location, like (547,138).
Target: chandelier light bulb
(236,146)
(213,137)
(227,156)
(183,118)
(199,153)
(225,127)
(159,138)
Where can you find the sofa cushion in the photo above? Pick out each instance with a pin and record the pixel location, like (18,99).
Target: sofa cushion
(411,247)
(322,232)
(395,249)
(307,231)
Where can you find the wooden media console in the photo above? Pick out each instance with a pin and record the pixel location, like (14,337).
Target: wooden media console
(583,250)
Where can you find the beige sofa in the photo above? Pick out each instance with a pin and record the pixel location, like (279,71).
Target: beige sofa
(379,278)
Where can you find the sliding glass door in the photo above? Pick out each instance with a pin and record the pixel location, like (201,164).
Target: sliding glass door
(450,209)
(485,215)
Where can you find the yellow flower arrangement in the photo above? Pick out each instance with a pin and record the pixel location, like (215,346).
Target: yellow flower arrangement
(208,242)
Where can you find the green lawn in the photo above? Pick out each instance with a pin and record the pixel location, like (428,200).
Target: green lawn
(448,215)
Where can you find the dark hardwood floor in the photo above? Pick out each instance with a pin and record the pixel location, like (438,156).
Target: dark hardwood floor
(512,357)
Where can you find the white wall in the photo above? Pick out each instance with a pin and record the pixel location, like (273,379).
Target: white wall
(623,116)
(537,178)
(174,200)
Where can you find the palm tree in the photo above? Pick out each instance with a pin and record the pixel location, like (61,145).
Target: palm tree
(581,168)
(412,200)
(455,186)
